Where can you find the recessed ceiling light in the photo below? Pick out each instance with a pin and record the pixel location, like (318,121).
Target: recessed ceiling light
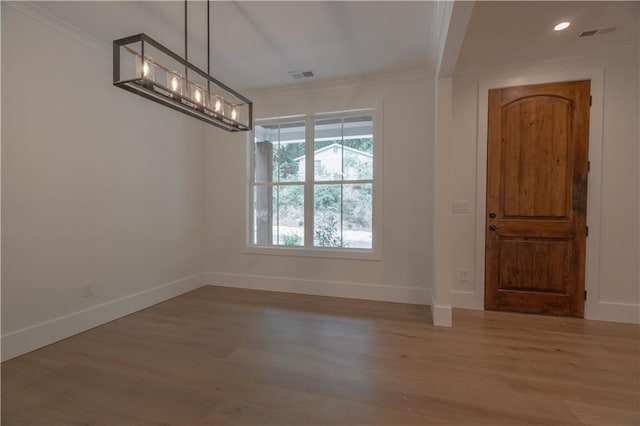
(562,26)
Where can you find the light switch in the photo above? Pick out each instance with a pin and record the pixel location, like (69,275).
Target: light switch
(462,207)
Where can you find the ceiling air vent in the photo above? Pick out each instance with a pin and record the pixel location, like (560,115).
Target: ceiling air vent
(597,31)
(301,74)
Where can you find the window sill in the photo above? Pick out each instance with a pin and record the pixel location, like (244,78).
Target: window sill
(320,253)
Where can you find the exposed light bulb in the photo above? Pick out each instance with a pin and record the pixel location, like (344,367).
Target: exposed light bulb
(146,68)
(217,103)
(174,83)
(234,113)
(562,26)
(198,96)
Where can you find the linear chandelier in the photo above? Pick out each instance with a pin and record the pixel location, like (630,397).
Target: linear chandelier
(145,67)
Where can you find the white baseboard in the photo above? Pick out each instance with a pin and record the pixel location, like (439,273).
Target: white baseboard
(30,338)
(596,310)
(465,299)
(614,311)
(420,296)
(441,315)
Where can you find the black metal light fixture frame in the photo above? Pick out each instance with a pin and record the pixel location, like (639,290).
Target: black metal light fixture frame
(145,85)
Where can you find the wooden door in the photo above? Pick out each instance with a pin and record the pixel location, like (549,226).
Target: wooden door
(537,164)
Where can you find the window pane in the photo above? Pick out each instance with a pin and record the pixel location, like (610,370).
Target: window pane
(358,148)
(263,217)
(263,157)
(327,149)
(327,225)
(279,152)
(291,215)
(343,148)
(358,128)
(290,158)
(358,165)
(357,215)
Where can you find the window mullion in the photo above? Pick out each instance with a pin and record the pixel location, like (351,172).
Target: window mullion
(308,182)
(353,182)
(250,239)
(342,184)
(277,179)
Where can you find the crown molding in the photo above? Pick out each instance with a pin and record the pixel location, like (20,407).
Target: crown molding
(35,12)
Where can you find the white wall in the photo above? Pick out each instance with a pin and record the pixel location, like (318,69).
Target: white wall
(618,295)
(404,272)
(638,98)
(98,186)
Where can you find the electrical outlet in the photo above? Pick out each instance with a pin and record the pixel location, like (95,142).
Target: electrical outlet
(87,290)
(465,275)
(251,263)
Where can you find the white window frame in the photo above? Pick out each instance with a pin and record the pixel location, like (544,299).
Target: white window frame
(308,250)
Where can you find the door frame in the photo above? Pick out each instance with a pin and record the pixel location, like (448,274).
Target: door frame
(592,261)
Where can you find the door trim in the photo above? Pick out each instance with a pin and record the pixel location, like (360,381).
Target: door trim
(475,300)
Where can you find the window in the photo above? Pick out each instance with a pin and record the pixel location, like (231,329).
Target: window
(312,182)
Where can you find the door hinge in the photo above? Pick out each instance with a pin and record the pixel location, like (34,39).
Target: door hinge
(586,231)
(585,295)
(590,100)
(588,166)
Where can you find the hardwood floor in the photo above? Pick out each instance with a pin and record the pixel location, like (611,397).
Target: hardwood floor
(220,356)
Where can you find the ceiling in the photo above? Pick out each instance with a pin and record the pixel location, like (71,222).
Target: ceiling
(522,32)
(257,44)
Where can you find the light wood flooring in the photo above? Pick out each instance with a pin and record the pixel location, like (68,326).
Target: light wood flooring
(220,356)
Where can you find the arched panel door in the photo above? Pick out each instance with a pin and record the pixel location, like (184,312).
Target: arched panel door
(537,165)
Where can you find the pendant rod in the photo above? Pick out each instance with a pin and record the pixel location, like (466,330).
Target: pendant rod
(208,46)
(186,56)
